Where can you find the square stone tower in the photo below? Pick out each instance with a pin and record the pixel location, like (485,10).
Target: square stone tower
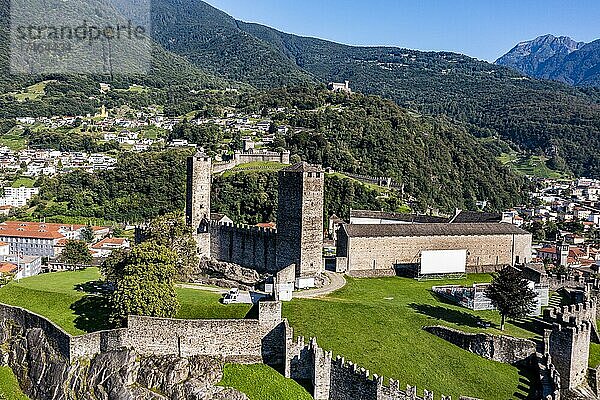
(300,219)
(199,179)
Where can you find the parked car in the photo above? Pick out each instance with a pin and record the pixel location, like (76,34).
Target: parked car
(231,297)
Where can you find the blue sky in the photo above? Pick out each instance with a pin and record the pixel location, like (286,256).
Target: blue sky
(484,29)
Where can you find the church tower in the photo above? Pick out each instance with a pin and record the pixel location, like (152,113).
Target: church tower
(300,219)
(199,179)
(563,250)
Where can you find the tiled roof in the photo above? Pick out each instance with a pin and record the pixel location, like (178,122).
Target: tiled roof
(109,241)
(38,230)
(547,250)
(7,268)
(408,230)
(270,225)
(422,219)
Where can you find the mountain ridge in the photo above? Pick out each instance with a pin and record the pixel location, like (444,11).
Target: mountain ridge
(556,58)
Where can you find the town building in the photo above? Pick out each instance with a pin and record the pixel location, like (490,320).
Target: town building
(39,238)
(106,246)
(340,87)
(17,197)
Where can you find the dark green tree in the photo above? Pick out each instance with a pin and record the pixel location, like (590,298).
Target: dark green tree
(511,295)
(143,278)
(172,232)
(87,234)
(76,252)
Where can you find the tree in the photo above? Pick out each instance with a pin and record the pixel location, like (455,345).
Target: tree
(143,280)
(172,232)
(511,295)
(76,252)
(87,234)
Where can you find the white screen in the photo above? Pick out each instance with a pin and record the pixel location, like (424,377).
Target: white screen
(443,261)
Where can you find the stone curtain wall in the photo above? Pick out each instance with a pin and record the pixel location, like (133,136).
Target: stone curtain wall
(250,247)
(261,156)
(503,349)
(56,336)
(89,345)
(261,340)
(373,253)
(337,379)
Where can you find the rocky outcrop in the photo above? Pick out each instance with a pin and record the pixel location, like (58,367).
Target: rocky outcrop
(226,274)
(45,374)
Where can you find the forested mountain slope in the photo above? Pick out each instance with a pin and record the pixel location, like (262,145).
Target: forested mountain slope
(536,116)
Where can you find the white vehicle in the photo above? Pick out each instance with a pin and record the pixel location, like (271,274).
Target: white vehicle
(231,297)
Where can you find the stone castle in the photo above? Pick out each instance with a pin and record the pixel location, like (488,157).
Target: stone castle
(160,358)
(172,357)
(298,239)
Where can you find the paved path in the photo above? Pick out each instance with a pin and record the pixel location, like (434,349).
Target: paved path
(244,296)
(202,287)
(337,281)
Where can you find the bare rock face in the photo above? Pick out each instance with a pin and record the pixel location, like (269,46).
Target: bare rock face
(44,374)
(227,275)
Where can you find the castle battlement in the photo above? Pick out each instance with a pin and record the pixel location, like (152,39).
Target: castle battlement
(242,228)
(574,327)
(573,314)
(348,370)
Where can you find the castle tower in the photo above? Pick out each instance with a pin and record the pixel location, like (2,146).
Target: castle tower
(199,179)
(568,341)
(300,219)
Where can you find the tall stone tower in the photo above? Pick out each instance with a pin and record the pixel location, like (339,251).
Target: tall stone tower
(199,179)
(300,219)
(568,341)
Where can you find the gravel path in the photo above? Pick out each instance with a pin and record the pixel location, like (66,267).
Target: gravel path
(337,281)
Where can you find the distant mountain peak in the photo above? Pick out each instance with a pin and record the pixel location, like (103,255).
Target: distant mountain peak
(545,57)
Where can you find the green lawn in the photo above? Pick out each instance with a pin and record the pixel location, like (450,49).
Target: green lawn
(56,297)
(9,387)
(32,92)
(13,140)
(595,353)
(51,295)
(196,304)
(260,382)
(256,166)
(377,323)
(23,182)
(532,166)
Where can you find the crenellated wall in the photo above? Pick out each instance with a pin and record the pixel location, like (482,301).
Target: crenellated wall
(337,379)
(568,341)
(270,339)
(248,246)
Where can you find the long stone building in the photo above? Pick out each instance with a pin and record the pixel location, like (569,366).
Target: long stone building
(379,249)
